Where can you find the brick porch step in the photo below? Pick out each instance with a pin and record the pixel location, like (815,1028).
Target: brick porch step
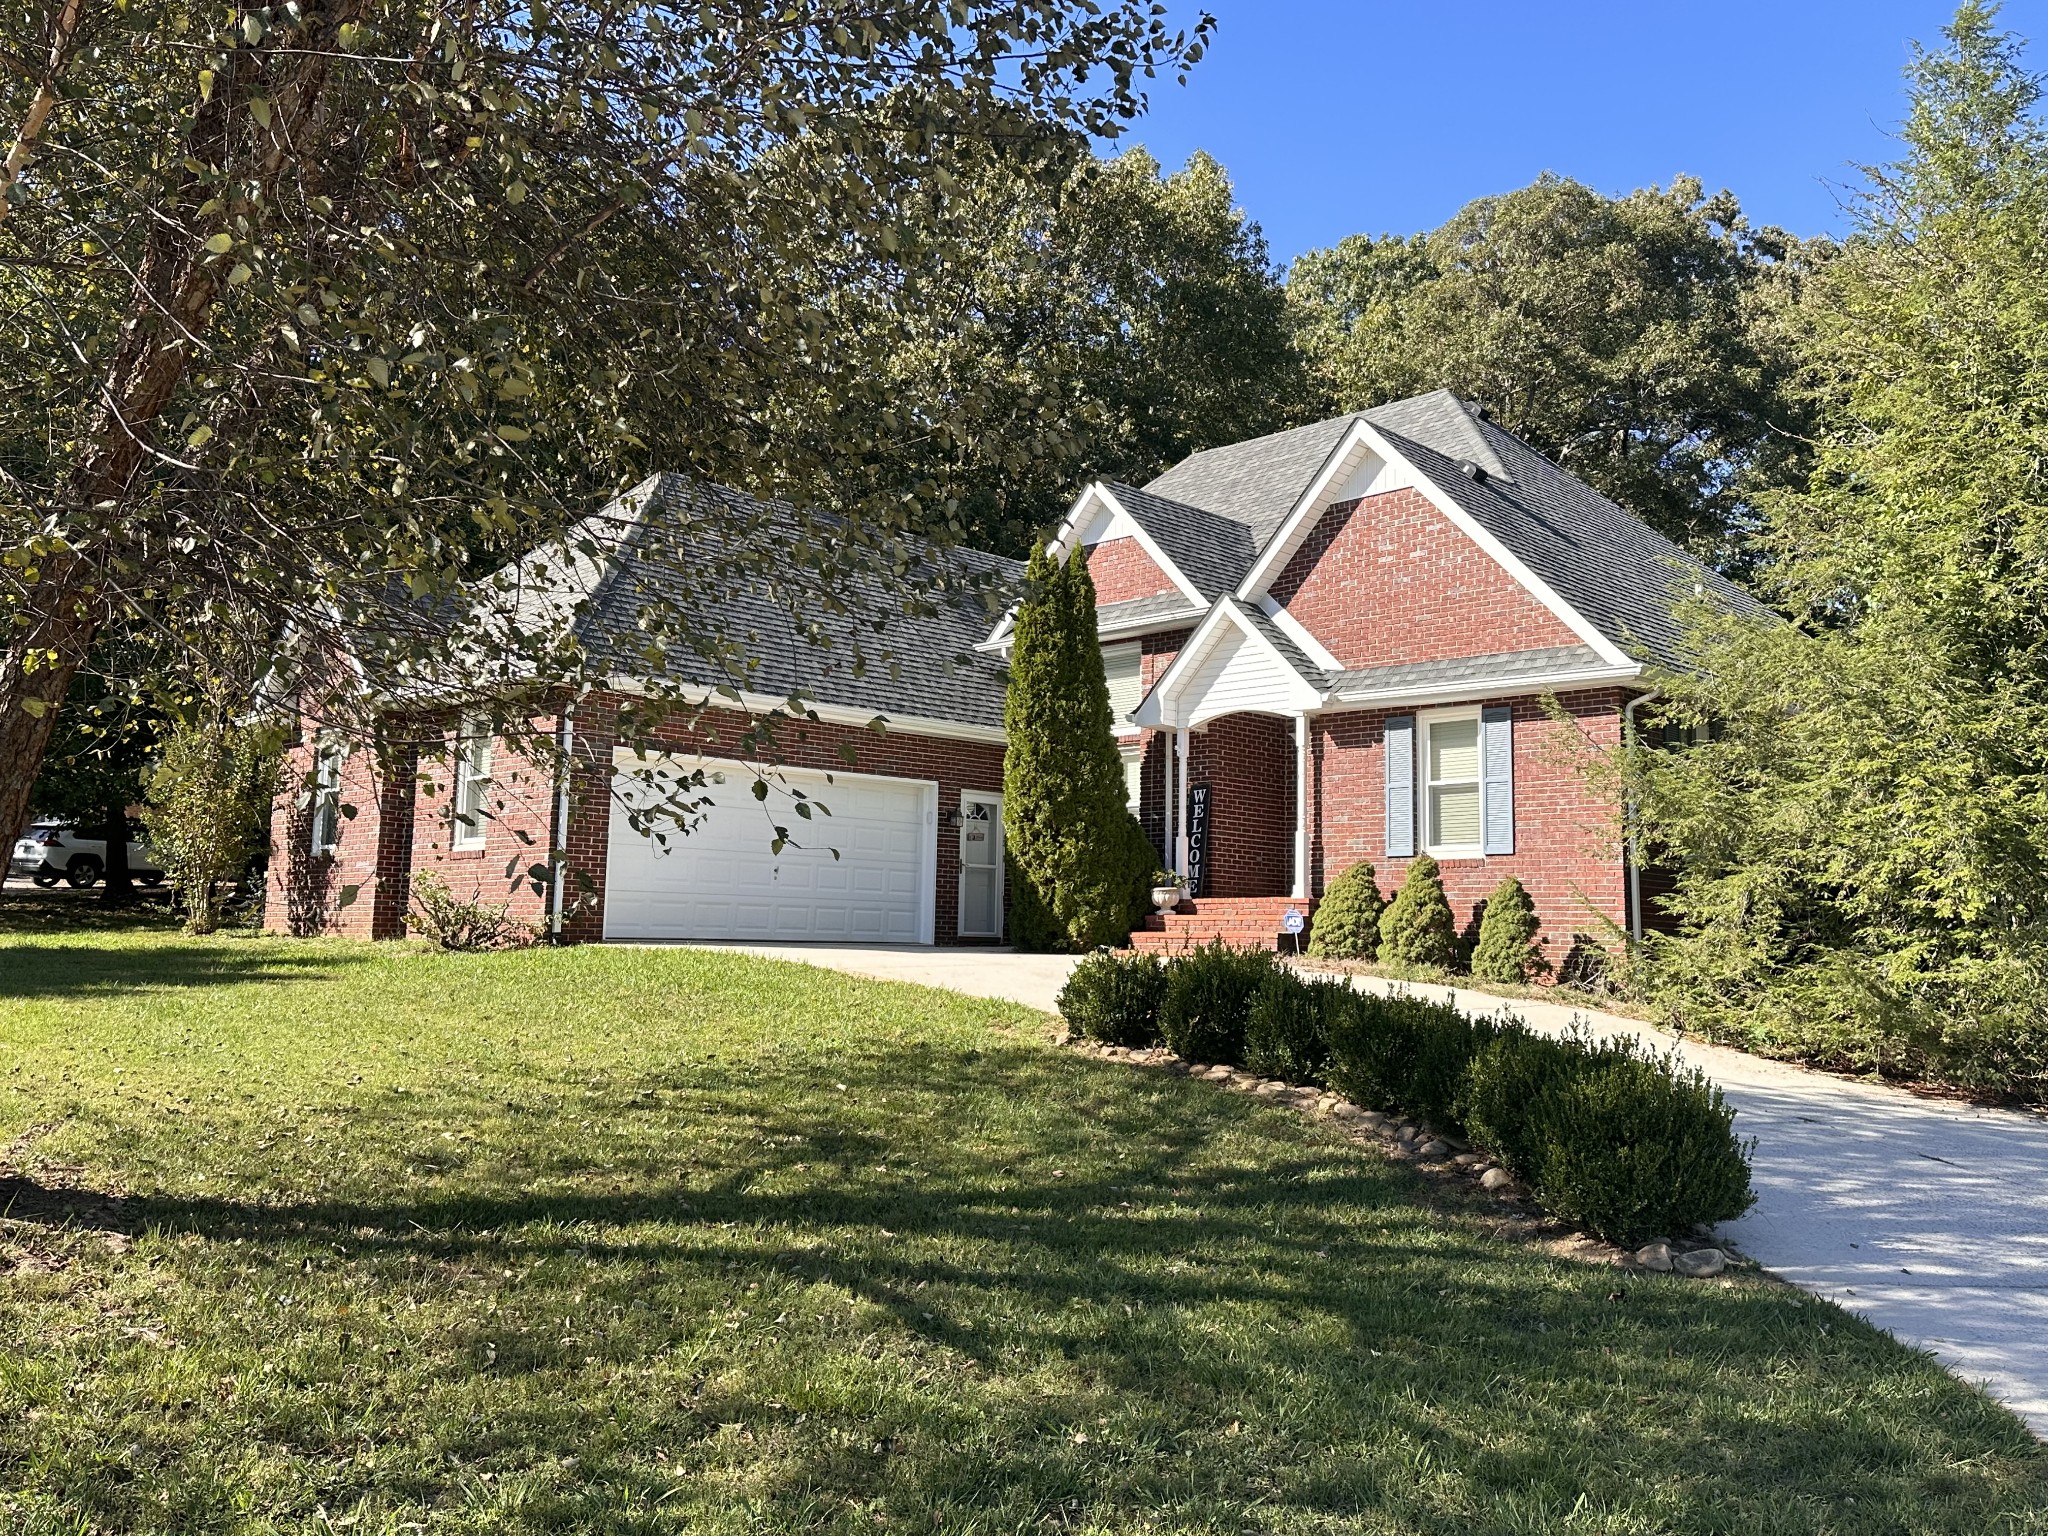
(1246,922)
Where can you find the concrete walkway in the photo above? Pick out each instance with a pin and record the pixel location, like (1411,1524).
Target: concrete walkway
(1929,1218)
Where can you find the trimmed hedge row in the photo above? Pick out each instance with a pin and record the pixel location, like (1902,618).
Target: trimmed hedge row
(1627,1143)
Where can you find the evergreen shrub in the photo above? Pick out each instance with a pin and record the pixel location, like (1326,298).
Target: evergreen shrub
(1417,927)
(1405,1054)
(1347,923)
(1115,998)
(1635,1147)
(1080,865)
(1507,953)
(1286,1032)
(1207,1006)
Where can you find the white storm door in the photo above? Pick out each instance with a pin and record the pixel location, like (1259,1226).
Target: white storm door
(981,866)
(723,880)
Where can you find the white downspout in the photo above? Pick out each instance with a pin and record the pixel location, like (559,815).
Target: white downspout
(1633,841)
(1301,807)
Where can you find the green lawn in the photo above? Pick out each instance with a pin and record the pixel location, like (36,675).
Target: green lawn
(621,1241)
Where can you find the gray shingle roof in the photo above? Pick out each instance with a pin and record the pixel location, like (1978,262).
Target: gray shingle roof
(1293,654)
(1161,608)
(780,628)
(1457,671)
(1602,560)
(1621,575)
(1253,484)
(1212,551)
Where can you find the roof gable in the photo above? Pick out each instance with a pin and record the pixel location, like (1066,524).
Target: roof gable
(1611,578)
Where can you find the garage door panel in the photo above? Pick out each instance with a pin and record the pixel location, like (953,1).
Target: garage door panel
(721,881)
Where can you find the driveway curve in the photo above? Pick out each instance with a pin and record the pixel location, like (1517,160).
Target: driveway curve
(1927,1216)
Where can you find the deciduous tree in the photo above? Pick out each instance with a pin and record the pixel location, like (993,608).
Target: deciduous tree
(1642,342)
(304,305)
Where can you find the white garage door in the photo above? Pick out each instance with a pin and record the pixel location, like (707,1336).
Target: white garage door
(722,881)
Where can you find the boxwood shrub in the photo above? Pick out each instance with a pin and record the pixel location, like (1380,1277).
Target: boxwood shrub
(1115,998)
(1208,1001)
(1628,1144)
(1405,1054)
(1287,1032)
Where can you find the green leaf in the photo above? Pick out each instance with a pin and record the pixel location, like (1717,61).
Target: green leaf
(220,244)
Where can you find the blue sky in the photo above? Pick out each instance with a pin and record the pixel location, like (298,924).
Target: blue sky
(1336,117)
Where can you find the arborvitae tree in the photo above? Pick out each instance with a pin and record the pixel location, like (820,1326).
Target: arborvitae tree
(1417,928)
(1347,925)
(1078,859)
(1507,952)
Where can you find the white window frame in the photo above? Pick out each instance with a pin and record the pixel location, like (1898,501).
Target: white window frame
(1135,649)
(1426,781)
(469,823)
(328,758)
(1134,776)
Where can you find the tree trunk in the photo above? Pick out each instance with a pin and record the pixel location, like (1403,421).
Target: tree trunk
(119,889)
(176,285)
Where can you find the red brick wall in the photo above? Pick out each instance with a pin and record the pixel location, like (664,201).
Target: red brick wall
(956,765)
(1248,763)
(372,852)
(1122,570)
(517,832)
(1567,834)
(1389,579)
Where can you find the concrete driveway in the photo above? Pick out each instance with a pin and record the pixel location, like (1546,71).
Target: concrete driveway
(1928,1217)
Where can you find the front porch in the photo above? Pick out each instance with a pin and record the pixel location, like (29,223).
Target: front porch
(1243,922)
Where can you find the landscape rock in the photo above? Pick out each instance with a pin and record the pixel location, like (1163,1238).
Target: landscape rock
(1372,1119)
(1437,1148)
(1655,1256)
(1405,1133)
(1471,1159)
(1496,1178)
(1219,1074)
(1268,1088)
(1701,1263)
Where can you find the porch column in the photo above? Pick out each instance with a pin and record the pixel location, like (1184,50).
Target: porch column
(1178,768)
(1300,807)
(1167,839)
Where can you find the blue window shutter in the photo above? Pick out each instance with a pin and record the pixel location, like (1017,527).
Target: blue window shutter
(1497,766)
(1400,786)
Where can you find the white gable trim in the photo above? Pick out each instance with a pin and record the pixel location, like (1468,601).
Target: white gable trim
(1309,507)
(1098,498)
(1168,706)
(1298,632)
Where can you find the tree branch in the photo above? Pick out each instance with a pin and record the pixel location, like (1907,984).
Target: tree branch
(40,108)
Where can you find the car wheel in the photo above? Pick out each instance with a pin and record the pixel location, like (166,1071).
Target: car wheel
(45,877)
(151,877)
(84,871)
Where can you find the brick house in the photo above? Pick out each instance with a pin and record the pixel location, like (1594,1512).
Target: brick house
(1393,632)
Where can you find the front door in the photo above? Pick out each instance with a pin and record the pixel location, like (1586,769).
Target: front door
(981,866)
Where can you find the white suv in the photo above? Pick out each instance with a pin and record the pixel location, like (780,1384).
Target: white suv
(50,851)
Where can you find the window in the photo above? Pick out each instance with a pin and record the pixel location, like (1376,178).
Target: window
(1123,665)
(1453,798)
(472,783)
(1134,780)
(326,834)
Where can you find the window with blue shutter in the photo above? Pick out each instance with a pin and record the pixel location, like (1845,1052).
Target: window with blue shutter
(1400,756)
(1497,755)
